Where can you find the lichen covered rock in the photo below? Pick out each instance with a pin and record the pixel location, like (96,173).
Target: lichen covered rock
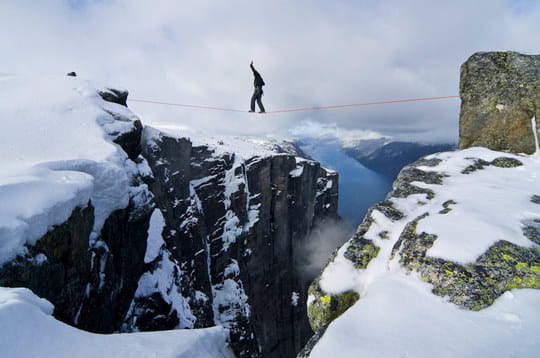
(323,308)
(499,94)
(503,267)
(361,251)
(444,193)
(531,230)
(506,162)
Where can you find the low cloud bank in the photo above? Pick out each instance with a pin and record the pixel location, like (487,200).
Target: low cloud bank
(326,237)
(347,138)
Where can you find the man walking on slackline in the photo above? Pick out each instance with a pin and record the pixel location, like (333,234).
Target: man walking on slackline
(258,83)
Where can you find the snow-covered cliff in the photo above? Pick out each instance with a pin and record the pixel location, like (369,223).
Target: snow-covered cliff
(131,228)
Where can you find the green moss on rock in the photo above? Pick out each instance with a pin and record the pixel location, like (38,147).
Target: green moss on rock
(446,206)
(403,186)
(504,266)
(361,251)
(387,208)
(478,164)
(324,308)
(506,162)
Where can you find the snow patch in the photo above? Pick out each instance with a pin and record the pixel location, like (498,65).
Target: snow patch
(165,280)
(295,296)
(232,270)
(29,330)
(297,172)
(340,275)
(535,134)
(57,154)
(155,242)
(491,204)
(230,301)
(400,317)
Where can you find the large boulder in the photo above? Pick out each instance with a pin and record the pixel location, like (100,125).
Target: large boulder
(500,95)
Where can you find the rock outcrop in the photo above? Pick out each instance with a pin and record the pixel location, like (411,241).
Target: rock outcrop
(500,94)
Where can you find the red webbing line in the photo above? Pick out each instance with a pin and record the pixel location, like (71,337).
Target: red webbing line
(304,109)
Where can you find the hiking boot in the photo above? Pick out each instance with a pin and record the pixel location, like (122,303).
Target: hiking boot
(262,112)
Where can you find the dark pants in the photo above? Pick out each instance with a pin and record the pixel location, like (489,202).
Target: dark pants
(257,95)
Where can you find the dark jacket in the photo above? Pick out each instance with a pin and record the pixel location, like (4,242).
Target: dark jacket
(258,81)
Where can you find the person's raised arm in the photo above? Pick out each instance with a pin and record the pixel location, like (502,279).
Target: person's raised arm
(252,68)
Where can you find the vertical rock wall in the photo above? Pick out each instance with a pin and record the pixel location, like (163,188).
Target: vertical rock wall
(234,227)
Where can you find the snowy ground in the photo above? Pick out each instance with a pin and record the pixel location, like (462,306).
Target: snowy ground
(397,315)
(244,147)
(28,330)
(400,317)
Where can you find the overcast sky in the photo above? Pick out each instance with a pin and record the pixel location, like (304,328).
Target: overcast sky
(310,53)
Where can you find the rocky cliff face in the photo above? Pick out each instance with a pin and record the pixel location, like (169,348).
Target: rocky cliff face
(211,234)
(500,94)
(234,226)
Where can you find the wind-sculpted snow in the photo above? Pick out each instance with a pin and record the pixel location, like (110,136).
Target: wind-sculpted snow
(56,154)
(74,207)
(461,225)
(29,330)
(400,317)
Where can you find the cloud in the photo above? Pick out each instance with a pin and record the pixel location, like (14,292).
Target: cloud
(323,240)
(347,138)
(310,53)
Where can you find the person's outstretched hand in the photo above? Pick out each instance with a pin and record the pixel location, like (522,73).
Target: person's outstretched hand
(251,64)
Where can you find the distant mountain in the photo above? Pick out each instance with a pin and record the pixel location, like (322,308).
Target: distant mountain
(388,158)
